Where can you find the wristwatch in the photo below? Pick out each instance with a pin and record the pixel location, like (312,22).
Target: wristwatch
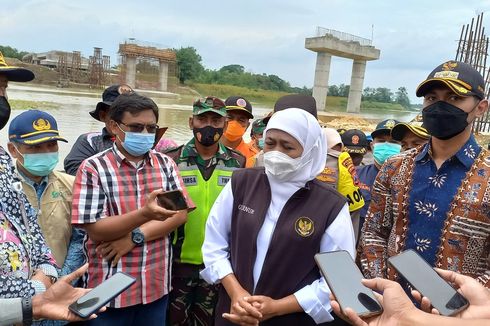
(26,311)
(137,237)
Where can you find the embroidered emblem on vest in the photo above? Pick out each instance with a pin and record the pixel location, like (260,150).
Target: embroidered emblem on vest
(246,209)
(190,180)
(223,180)
(304,226)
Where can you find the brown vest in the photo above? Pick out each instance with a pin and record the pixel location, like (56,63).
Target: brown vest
(289,263)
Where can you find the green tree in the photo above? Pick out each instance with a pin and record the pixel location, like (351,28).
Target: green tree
(11,52)
(344,90)
(189,63)
(237,69)
(401,97)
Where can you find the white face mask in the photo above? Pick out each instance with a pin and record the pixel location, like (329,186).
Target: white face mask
(282,166)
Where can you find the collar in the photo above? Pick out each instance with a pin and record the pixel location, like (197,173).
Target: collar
(191,151)
(29,181)
(106,134)
(466,154)
(120,157)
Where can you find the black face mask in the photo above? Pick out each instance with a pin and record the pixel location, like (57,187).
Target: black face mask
(208,135)
(4,111)
(443,120)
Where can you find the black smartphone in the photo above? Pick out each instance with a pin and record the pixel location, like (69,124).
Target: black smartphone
(99,296)
(172,200)
(344,280)
(425,279)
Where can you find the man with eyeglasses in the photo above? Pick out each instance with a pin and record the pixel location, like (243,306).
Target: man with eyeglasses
(205,166)
(91,143)
(115,202)
(238,115)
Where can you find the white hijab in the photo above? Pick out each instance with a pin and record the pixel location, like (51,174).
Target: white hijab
(307,131)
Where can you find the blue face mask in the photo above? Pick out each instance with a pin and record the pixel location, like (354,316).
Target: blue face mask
(138,144)
(40,164)
(261,143)
(383,151)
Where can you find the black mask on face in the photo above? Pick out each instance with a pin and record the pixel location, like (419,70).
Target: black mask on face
(4,111)
(208,135)
(443,120)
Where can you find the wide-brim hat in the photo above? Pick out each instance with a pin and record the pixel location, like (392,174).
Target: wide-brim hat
(109,95)
(15,74)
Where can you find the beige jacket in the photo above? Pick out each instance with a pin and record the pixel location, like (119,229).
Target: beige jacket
(54,212)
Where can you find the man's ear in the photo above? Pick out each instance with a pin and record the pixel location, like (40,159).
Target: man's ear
(481,108)
(191,125)
(12,150)
(113,127)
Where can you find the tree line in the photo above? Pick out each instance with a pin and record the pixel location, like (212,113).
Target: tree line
(191,69)
(11,52)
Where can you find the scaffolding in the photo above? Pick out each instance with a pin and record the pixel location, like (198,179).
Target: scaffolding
(76,67)
(146,65)
(473,50)
(63,76)
(96,69)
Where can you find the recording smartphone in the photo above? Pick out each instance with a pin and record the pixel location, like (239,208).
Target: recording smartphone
(344,280)
(172,200)
(425,279)
(99,296)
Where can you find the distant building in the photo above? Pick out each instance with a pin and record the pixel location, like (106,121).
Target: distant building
(51,59)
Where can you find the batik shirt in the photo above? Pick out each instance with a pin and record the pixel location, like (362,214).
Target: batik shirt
(22,246)
(431,195)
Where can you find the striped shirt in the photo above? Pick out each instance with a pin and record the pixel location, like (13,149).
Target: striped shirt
(107,184)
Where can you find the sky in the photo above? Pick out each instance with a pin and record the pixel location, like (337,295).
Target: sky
(264,36)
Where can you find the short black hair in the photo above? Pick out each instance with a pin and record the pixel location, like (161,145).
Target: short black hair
(132,103)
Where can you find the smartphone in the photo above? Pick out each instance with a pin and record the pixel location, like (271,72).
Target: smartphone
(344,280)
(172,200)
(425,279)
(99,296)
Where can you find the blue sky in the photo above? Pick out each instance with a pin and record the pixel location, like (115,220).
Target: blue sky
(264,36)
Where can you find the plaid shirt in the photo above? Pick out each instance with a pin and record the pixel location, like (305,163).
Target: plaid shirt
(106,185)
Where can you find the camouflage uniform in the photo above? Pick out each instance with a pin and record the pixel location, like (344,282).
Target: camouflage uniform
(192,300)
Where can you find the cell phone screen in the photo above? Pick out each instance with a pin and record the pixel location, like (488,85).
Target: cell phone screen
(425,279)
(344,279)
(172,200)
(99,296)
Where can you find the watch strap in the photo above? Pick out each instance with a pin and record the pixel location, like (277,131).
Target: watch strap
(27,311)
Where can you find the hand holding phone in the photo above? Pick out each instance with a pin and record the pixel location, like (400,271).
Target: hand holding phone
(152,210)
(172,200)
(344,280)
(99,296)
(424,279)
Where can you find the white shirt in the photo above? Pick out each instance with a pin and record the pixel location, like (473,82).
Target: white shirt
(313,298)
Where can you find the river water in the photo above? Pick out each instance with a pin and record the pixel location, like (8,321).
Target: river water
(73,118)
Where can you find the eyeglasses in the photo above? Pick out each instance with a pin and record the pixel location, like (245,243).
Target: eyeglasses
(138,127)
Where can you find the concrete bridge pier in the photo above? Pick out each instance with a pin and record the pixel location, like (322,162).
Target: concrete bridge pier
(356,86)
(330,43)
(131,71)
(163,75)
(322,72)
